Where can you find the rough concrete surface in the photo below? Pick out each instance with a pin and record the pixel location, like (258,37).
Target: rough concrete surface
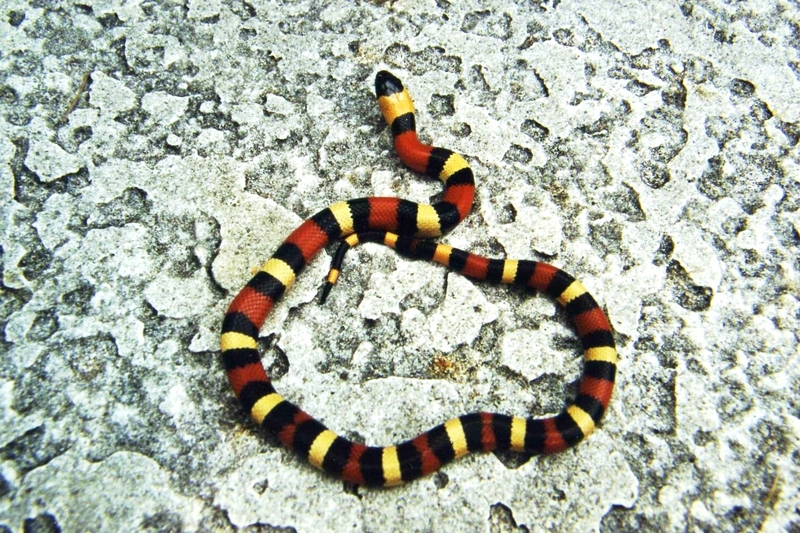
(153,152)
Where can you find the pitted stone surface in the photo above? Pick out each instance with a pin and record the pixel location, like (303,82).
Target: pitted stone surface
(648,148)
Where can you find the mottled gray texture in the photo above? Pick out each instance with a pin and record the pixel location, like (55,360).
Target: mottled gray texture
(649,148)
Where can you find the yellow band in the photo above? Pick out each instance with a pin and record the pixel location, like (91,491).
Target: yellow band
(320,446)
(601,353)
(264,406)
(518,427)
(455,432)
(574,290)
(234,340)
(395,105)
(453,164)
(509,271)
(391,467)
(428,224)
(280,270)
(581,418)
(341,212)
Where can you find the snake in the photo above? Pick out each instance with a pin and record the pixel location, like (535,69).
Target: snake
(408,227)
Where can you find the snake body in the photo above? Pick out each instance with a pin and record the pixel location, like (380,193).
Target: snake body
(406,227)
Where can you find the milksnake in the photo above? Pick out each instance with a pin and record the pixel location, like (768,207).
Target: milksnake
(405,226)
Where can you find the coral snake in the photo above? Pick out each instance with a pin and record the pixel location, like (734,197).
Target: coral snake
(405,226)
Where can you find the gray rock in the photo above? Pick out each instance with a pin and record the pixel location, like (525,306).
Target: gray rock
(648,148)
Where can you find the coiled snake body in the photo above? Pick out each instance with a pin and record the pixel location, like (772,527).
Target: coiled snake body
(405,226)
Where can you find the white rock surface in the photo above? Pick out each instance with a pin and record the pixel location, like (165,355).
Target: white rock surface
(648,148)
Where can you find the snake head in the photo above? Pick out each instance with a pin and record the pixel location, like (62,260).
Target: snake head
(386,84)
